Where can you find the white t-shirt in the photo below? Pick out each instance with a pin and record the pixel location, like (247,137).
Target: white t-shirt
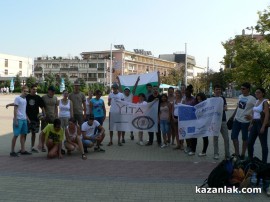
(21,110)
(90,130)
(128,98)
(245,107)
(113,97)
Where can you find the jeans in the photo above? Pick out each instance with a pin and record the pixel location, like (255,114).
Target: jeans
(254,133)
(225,135)
(164,127)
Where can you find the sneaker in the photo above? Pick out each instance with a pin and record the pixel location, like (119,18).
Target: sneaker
(140,143)
(191,153)
(148,144)
(13,154)
(25,153)
(216,156)
(98,149)
(187,150)
(34,150)
(132,137)
(119,144)
(202,154)
(123,141)
(163,146)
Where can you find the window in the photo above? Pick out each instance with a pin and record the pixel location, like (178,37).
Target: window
(6,62)
(100,66)
(20,73)
(100,75)
(93,65)
(20,64)
(6,72)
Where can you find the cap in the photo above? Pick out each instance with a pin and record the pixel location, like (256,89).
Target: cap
(77,83)
(51,88)
(127,88)
(115,85)
(91,117)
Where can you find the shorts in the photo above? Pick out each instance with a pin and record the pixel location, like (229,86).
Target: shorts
(21,129)
(164,127)
(100,120)
(79,119)
(237,126)
(88,142)
(33,126)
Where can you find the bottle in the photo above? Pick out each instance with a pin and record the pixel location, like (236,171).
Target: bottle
(253,180)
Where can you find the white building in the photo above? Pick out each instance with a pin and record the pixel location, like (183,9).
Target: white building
(11,65)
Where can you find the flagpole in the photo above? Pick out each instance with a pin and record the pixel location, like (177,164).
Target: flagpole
(111,68)
(186,64)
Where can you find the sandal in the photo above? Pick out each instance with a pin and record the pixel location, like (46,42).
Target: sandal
(84,157)
(110,144)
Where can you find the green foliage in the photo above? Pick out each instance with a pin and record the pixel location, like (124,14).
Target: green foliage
(174,76)
(17,83)
(249,57)
(31,81)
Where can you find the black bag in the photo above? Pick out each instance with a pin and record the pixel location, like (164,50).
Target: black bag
(230,124)
(220,175)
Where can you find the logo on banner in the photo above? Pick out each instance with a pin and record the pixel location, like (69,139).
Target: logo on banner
(143,122)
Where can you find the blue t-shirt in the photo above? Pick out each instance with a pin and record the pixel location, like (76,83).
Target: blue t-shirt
(97,109)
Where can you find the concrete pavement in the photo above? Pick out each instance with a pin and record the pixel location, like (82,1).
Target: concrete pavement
(128,173)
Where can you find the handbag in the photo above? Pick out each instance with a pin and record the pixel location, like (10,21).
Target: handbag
(230,123)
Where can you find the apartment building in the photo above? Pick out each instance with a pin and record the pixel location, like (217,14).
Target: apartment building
(94,67)
(11,65)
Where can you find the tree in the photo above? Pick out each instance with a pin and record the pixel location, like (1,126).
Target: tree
(31,81)
(263,24)
(174,76)
(17,83)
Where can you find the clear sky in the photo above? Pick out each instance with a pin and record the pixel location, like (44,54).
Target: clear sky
(61,27)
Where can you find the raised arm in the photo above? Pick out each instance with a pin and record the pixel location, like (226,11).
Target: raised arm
(135,86)
(120,86)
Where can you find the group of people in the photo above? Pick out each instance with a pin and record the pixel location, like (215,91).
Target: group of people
(80,120)
(69,118)
(4,90)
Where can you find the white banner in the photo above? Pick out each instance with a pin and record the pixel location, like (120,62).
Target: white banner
(125,116)
(203,119)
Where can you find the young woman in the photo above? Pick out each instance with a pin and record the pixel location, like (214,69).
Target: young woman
(141,101)
(73,138)
(65,109)
(258,126)
(97,107)
(165,115)
(199,98)
(178,100)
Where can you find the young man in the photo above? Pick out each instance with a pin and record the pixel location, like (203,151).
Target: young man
(128,97)
(149,89)
(51,109)
(34,102)
(20,122)
(52,135)
(241,119)
(92,132)
(79,107)
(155,95)
(224,129)
(115,95)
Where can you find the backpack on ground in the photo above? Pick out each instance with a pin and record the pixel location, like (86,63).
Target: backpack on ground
(220,175)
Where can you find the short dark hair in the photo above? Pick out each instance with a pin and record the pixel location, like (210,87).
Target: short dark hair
(91,117)
(202,95)
(149,84)
(170,88)
(98,92)
(56,123)
(164,95)
(246,85)
(33,86)
(217,86)
(189,88)
(142,94)
(72,120)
